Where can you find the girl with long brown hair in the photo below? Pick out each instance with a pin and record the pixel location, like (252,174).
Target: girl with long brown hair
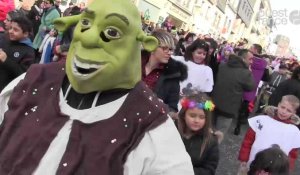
(195,127)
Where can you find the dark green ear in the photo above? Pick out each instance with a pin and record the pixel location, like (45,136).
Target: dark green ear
(149,43)
(62,24)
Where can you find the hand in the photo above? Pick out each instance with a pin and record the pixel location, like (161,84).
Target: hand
(64,53)
(58,49)
(174,115)
(243,164)
(3,56)
(243,168)
(44,28)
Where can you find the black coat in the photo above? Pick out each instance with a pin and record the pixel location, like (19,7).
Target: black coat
(180,49)
(19,57)
(214,65)
(288,87)
(208,162)
(233,79)
(3,39)
(167,87)
(35,17)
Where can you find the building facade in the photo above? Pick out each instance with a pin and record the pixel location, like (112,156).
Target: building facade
(222,19)
(156,11)
(260,26)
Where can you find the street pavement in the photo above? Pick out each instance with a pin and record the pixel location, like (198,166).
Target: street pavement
(229,149)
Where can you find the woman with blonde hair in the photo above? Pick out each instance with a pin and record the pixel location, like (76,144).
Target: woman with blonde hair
(160,72)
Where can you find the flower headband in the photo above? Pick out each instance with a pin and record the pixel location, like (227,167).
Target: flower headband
(188,104)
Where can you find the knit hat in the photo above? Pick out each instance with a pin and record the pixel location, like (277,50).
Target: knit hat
(228,48)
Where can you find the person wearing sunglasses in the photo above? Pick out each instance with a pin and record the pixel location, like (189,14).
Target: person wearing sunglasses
(162,73)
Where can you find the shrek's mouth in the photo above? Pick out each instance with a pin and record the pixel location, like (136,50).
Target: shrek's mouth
(83,68)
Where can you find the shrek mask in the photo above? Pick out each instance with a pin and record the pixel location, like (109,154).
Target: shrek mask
(105,50)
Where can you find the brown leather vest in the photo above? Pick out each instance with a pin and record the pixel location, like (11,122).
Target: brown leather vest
(34,119)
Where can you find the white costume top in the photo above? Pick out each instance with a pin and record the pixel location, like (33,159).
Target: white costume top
(200,76)
(46,41)
(161,151)
(269,131)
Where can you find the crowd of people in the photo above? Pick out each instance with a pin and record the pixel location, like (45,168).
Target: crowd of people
(208,85)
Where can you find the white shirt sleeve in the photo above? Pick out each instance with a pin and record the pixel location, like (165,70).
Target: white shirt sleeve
(161,151)
(5,95)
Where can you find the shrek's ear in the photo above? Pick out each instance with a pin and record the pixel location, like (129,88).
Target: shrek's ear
(149,43)
(62,24)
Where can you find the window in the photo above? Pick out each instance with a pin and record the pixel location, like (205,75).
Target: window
(207,13)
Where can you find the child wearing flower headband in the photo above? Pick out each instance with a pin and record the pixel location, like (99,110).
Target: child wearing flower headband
(194,125)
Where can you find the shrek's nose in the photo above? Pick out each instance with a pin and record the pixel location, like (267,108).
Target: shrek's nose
(90,38)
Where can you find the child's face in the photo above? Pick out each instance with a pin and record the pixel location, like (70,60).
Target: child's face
(285,110)
(7,22)
(199,56)
(227,53)
(190,39)
(52,33)
(16,33)
(194,119)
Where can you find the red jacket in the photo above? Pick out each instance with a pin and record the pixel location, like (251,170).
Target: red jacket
(249,140)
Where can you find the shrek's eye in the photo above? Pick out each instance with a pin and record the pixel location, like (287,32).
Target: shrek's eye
(112,33)
(85,23)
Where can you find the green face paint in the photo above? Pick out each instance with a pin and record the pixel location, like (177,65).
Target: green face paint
(105,50)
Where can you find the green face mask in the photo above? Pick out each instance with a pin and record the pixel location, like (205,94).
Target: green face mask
(105,50)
